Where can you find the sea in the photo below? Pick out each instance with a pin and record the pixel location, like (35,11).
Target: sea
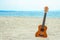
(50,14)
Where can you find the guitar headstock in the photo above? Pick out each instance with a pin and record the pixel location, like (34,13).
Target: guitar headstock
(46,9)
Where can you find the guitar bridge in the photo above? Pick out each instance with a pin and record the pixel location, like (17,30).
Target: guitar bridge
(41,35)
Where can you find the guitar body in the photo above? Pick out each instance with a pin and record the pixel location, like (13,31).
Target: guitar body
(42,28)
(41,32)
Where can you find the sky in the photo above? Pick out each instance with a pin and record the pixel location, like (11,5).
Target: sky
(29,5)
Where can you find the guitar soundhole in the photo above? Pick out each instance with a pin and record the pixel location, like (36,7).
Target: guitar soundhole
(42,29)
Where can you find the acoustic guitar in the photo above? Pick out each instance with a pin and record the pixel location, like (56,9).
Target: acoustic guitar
(42,28)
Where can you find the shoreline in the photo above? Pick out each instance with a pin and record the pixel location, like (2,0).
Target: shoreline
(26,17)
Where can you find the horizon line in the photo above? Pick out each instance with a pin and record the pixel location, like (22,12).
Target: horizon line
(26,10)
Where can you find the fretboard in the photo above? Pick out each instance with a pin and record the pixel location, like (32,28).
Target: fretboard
(44,18)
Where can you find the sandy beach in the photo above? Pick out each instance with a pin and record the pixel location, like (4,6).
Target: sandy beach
(24,28)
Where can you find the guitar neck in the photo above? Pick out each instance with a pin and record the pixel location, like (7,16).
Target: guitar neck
(44,18)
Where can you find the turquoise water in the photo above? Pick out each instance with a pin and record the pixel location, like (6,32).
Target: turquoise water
(53,14)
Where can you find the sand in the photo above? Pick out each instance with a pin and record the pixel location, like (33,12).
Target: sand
(24,28)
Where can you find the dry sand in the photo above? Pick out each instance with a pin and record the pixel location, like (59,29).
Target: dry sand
(24,28)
